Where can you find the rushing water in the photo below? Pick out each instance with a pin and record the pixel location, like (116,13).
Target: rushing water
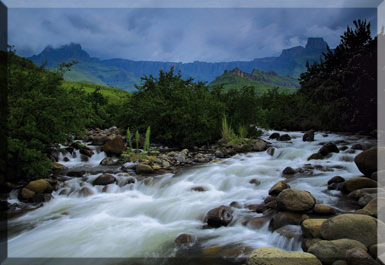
(143,219)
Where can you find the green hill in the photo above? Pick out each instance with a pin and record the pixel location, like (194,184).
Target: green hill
(262,81)
(114,95)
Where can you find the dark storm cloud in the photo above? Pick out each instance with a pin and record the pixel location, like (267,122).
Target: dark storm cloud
(216,34)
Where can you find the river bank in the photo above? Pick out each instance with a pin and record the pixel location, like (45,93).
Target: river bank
(223,207)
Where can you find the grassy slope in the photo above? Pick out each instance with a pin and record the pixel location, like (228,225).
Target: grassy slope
(114,95)
(230,80)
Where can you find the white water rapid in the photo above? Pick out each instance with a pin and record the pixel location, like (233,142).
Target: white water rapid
(143,219)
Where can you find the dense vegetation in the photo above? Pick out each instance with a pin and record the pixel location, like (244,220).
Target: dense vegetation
(337,94)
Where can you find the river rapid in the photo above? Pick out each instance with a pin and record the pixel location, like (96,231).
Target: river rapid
(142,219)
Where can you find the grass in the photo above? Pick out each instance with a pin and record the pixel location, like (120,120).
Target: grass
(114,95)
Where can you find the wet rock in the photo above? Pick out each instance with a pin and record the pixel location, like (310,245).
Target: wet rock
(324,209)
(26,194)
(256,182)
(315,156)
(257,222)
(85,192)
(181,158)
(219,154)
(307,242)
(114,146)
(340,262)
(99,139)
(274,136)
(358,256)
(259,145)
(308,136)
(362,228)
(84,158)
(275,256)
(58,166)
(357,147)
(366,161)
(86,152)
(366,198)
(284,137)
(235,204)
(372,206)
(278,188)
(295,200)
(288,171)
(143,169)
(271,151)
(220,216)
(329,251)
(76,173)
(290,232)
(108,161)
(258,208)
(104,179)
(359,183)
(286,218)
(66,159)
(312,227)
(328,148)
(199,189)
(184,240)
(343,148)
(39,186)
(336,179)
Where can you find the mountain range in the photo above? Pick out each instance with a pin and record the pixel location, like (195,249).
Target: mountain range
(124,73)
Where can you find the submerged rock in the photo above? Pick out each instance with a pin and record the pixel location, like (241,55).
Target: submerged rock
(284,137)
(328,148)
(184,240)
(104,179)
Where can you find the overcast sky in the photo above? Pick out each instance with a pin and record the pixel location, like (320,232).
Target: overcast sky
(180,35)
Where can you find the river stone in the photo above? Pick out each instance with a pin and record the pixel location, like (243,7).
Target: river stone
(366,161)
(284,137)
(85,192)
(312,227)
(220,216)
(295,200)
(358,256)
(371,207)
(143,169)
(184,240)
(362,228)
(278,188)
(104,179)
(26,194)
(274,136)
(288,171)
(324,209)
(275,256)
(199,189)
(357,147)
(39,186)
(366,198)
(114,146)
(286,218)
(290,232)
(330,251)
(308,136)
(258,208)
(108,161)
(328,148)
(86,152)
(307,242)
(359,183)
(336,179)
(271,151)
(257,222)
(58,166)
(99,139)
(315,156)
(259,145)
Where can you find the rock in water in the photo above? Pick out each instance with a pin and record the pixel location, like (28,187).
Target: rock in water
(359,183)
(308,136)
(328,148)
(184,240)
(220,216)
(104,179)
(358,256)
(114,146)
(312,227)
(362,228)
(284,137)
(278,188)
(39,186)
(330,251)
(275,256)
(274,136)
(295,200)
(143,169)
(366,161)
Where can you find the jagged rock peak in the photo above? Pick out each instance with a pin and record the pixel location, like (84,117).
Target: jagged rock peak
(316,43)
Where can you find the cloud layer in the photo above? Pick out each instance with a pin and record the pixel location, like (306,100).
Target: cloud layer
(180,35)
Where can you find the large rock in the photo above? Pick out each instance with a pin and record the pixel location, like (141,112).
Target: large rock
(275,256)
(330,251)
(324,209)
(359,183)
(366,161)
(114,146)
(315,156)
(143,169)
(104,179)
(295,200)
(286,218)
(284,137)
(26,194)
(278,188)
(358,256)
(372,206)
(312,227)
(328,148)
(259,145)
(308,136)
(58,166)
(39,186)
(274,135)
(362,228)
(184,240)
(220,216)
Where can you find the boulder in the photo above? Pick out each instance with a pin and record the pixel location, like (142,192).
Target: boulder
(108,161)
(329,251)
(271,151)
(84,158)
(258,208)
(143,169)
(184,240)
(284,137)
(219,154)
(114,146)
(259,145)
(312,227)
(278,188)
(220,216)
(86,152)
(358,256)
(295,200)
(308,136)
(366,198)
(286,218)
(58,166)
(274,136)
(288,171)
(324,209)
(99,139)
(371,207)
(315,156)
(328,148)
(39,186)
(307,242)
(366,161)
(85,192)
(275,256)
(26,194)
(104,179)
(359,183)
(362,228)
(257,222)
(336,179)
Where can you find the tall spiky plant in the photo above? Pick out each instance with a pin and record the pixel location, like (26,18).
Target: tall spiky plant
(129,139)
(227,132)
(137,140)
(146,146)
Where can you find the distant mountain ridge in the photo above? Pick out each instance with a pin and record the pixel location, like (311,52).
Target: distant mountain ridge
(124,73)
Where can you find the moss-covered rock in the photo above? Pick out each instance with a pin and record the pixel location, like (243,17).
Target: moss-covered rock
(275,256)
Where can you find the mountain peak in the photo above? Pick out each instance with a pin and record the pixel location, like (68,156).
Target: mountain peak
(316,44)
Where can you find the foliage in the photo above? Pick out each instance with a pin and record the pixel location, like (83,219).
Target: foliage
(146,146)
(137,140)
(129,140)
